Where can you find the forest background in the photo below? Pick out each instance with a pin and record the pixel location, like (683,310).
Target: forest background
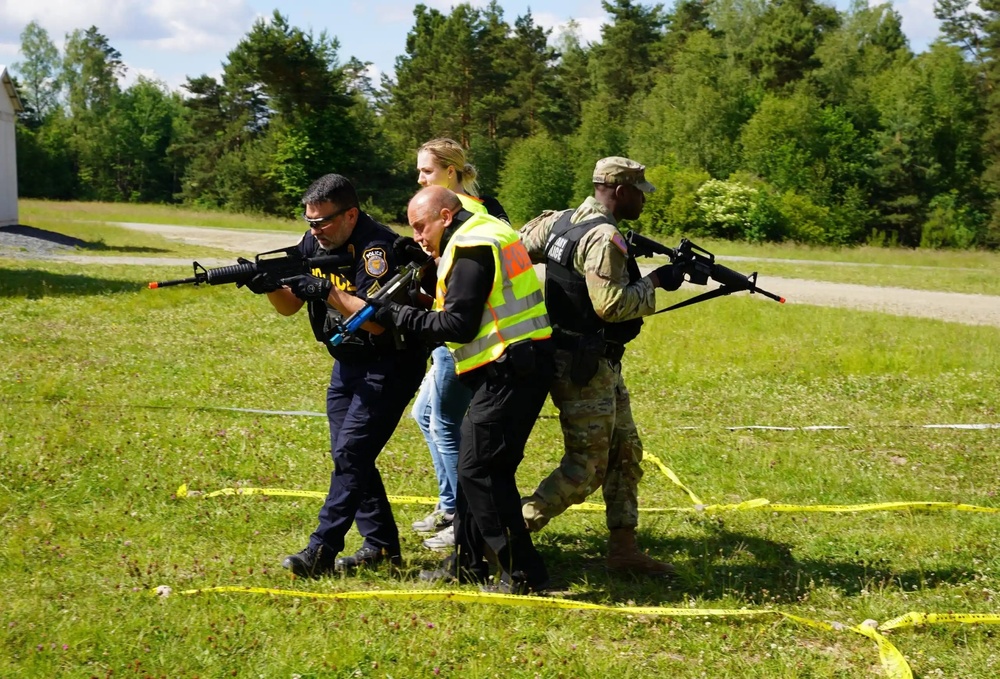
(760,120)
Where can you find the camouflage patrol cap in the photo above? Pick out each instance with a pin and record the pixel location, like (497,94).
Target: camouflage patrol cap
(618,170)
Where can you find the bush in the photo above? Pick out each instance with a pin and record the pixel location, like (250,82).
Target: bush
(726,207)
(805,222)
(951,224)
(672,209)
(535,177)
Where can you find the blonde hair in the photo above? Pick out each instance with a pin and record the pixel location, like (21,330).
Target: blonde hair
(449,152)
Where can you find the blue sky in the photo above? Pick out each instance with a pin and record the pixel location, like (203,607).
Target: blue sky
(171,39)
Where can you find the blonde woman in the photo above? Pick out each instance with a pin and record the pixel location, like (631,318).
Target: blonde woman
(442,400)
(442,162)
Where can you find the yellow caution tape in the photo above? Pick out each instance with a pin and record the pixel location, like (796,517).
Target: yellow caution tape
(760,503)
(893,662)
(183,491)
(699,506)
(747,505)
(669,473)
(884,506)
(913,619)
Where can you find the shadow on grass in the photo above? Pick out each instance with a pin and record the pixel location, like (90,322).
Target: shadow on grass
(35,284)
(73,242)
(100,246)
(722,564)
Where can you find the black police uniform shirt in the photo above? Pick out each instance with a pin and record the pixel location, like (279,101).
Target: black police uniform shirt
(370,245)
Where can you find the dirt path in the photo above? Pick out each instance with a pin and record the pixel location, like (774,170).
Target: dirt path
(946,306)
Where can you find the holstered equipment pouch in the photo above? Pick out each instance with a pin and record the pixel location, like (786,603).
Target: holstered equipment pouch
(588,352)
(521,361)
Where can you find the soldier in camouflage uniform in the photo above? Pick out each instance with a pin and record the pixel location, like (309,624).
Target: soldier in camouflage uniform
(596,299)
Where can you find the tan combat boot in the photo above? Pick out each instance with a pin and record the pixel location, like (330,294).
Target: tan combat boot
(624,555)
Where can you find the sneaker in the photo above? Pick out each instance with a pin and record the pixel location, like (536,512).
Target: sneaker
(311,562)
(444,539)
(366,556)
(435,521)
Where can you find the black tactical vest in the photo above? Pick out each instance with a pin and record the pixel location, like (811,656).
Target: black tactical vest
(566,295)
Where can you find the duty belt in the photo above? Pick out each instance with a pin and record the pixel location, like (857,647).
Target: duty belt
(613,351)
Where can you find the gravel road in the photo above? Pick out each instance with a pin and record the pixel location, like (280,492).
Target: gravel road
(947,306)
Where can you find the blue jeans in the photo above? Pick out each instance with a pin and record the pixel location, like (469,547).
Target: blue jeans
(439,410)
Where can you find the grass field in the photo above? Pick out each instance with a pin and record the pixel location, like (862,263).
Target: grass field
(53,211)
(108,398)
(952,271)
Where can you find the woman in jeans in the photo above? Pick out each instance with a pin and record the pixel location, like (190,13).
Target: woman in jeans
(442,400)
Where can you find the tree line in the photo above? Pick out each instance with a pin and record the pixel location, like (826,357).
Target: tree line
(762,120)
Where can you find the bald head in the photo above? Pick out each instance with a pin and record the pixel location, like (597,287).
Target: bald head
(430,212)
(434,199)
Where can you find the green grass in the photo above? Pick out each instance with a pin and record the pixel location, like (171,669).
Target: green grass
(33,211)
(974,272)
(985,281)
(108,240)
(101,419)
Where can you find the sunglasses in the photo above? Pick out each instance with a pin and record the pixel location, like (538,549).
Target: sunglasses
(323,222)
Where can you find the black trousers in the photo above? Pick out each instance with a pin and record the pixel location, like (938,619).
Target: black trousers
(494,432)
(364,403)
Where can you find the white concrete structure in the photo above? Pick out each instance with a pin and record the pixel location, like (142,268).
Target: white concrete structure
(10,105)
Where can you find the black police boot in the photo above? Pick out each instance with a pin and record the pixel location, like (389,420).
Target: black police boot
(366,556)
(514,583)
(453,570)
(311,562)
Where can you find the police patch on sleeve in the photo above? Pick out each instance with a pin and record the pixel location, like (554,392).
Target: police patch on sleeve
(375,262)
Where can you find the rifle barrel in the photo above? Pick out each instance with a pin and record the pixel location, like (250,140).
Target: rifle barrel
(153,285)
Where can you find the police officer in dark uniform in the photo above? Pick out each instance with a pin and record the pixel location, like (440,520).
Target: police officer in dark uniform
(490,313)
(375,374)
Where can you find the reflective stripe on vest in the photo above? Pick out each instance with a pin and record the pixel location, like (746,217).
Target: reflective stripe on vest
(515,308)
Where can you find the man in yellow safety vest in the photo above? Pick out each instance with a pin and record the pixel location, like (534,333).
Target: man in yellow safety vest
(489,312)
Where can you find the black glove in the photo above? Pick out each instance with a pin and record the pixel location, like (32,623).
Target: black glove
(385,311)
(309,288)
(406,250)
(669,276)
(260,284)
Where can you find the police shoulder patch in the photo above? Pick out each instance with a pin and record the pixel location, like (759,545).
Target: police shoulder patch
(376,264)
(619,241)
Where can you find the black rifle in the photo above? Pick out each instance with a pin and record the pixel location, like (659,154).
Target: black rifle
(698,265)
(412,271)
(279,264)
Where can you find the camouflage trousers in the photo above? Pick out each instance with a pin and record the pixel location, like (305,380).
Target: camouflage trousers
(602,449)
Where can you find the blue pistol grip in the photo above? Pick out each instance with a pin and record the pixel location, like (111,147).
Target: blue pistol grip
(356,320)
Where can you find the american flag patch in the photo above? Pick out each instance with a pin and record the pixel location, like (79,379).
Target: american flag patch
(618,240)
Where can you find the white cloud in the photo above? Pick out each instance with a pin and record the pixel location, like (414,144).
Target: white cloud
(390,12)
(919,23)
(446,5)
(588,28)
(177,25)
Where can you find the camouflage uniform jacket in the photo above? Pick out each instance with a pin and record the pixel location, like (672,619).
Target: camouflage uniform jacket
(601,258)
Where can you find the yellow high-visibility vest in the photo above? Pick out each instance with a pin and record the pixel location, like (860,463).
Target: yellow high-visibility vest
(515,309)
(471,203)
